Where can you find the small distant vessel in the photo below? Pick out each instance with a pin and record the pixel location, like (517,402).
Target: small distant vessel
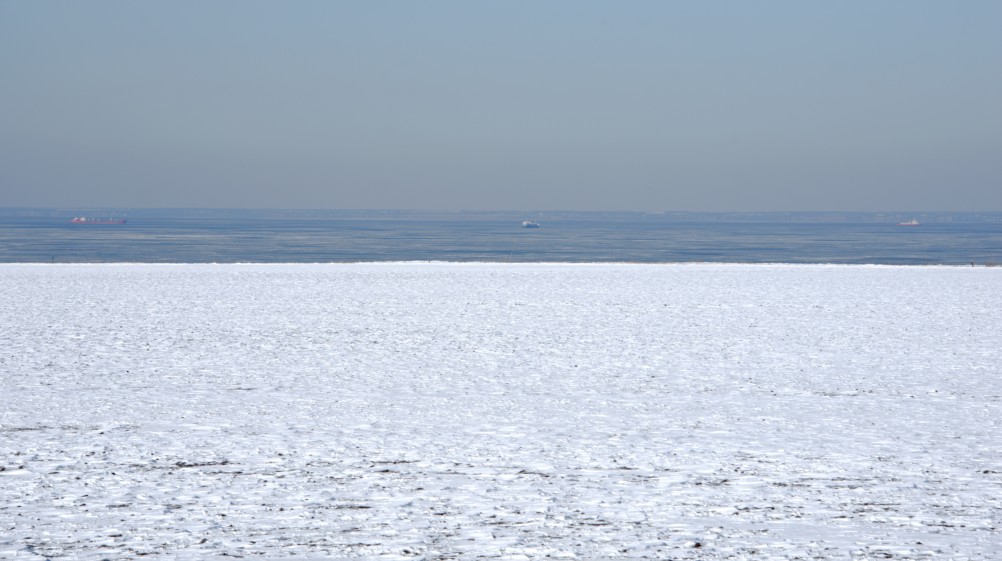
(911,222)
(86,220)
(530,224)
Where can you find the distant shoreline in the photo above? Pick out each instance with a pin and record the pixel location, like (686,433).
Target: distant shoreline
(896,216)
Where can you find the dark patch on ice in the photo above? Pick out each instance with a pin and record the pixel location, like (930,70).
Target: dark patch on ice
(23,429)
(711,482)
(200,464)
(527,472)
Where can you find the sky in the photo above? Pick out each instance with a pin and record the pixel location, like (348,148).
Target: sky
(476,105)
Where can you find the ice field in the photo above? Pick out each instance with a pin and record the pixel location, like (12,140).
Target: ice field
(500,411)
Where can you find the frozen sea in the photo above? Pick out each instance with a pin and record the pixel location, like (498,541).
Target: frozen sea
(500,411)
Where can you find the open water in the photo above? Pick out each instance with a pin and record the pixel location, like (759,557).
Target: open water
(563,237)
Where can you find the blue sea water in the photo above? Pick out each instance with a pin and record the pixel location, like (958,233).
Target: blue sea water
(224,237)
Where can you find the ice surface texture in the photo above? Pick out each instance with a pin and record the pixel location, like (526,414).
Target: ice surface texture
(469,411)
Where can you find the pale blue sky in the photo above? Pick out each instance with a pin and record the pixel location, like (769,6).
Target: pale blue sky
(730,106)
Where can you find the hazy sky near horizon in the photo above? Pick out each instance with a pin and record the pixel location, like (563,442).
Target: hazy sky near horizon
(576,105)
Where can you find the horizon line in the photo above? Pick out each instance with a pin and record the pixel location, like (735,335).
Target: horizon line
(484,211)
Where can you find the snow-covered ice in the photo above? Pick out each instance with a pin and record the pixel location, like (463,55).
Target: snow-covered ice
(500,411)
